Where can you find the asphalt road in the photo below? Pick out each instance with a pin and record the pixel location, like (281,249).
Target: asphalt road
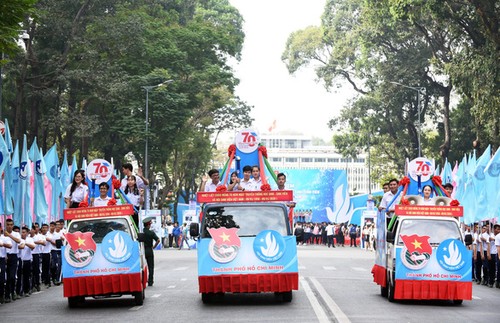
(335,286)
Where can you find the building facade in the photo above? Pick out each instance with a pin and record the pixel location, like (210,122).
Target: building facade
(298,151)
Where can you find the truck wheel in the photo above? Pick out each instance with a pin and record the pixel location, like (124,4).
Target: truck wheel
(207,298)
(139,297)
(392,288)
(75,301)
(287,296)
(458,301)
(383,291)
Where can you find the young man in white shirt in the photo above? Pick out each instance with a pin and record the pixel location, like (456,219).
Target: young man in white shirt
(246,183)
(485,256)
(103,198)
(27,258)
(14,239)
(46,255)
(388,197)
(496,232)
(141,181)
(213,184)
(39,241)
(4,244)
(55,254)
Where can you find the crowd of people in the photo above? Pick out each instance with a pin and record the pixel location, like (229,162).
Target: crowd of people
(484,241)
(335,234)
(29,258)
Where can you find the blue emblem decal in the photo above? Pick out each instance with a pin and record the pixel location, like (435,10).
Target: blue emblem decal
(269,246)
(117,246)
(451,254)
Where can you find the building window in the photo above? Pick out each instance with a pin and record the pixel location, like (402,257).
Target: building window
(290,143)
(320,160)
(291,160)
(276,159)
(306,160)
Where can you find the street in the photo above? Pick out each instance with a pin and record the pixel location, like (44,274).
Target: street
(335,286)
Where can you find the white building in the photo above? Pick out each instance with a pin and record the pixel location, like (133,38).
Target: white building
(298,151)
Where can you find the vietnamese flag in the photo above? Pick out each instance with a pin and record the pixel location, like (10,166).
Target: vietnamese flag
(81,240)
(225,236)
(415,243)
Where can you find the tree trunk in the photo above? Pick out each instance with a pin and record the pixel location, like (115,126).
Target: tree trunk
(444,149)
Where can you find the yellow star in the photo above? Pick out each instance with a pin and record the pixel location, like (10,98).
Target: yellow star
(224,237)
(80,241)
(416,244)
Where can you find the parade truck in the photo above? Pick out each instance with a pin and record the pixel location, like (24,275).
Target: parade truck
(102,256)
(420,249)
(246,244)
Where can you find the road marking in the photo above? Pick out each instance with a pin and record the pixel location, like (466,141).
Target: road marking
(181,268)
(339,315)
(302,267)
(136,308)
(475,297)
(320,313)
(329,268)
(171,286)
(36,293)
(183,279)
(358,269)
(156,295)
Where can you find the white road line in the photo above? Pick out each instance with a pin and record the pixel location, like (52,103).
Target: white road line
(339,315)
(183,279)
(358,269)
(329,268)
(475,297)
(320,313)
(135,308)
(302,267)
(181,268)
(156,296)
(171,287)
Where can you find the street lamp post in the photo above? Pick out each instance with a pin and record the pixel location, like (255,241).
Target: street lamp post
(146,161)
(420,90)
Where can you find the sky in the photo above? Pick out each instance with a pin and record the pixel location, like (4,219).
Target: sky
(297,102)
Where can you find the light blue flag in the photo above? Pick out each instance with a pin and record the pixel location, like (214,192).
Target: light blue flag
(8,196)
(24,186)
(64,183)
(8,138)
(479,185)
(33,150)
(492,185)
(41,205)
(84,164)
(15,188)
(447,173)
(469,198)
(437,171)
(4,160)
(51,160)
(74,168)
(460,179)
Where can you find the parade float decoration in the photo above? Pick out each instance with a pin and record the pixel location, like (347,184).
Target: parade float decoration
(246,242)
(420,252)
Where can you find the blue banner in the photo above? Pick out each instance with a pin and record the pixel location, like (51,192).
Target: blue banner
(268,252)
(450,261)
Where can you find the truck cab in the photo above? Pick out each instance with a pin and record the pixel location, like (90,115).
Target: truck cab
(421,248)
(245,247)
(103,256)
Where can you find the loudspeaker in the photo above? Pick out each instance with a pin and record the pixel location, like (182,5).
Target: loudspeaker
(442,201)
(414,199)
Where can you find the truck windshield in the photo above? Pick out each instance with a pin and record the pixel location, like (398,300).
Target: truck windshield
(249,219)
(100,227)
(437,230)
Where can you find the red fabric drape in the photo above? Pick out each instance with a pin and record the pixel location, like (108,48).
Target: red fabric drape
(379,275)
(249,283)
(432,289)
(101,285)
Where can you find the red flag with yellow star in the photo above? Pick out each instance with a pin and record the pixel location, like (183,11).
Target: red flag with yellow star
(81,240)
(415,243)
(225,236)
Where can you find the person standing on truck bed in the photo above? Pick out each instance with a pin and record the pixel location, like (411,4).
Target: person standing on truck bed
(142,182)
(212,185)
(103,198)
(150,238)
(389,196)
(77,191)
(255,181)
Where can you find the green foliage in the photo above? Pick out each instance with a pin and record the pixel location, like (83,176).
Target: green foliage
(12,14)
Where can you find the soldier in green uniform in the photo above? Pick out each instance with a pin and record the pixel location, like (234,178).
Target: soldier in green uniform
(150,238)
